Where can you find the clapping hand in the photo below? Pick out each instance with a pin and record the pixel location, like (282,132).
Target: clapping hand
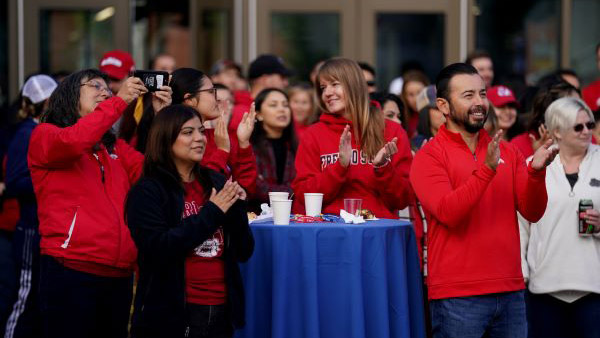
(226,197)
(245,128)
(345,151)
(492,158)
(544,156)
(221,134)
(385,154)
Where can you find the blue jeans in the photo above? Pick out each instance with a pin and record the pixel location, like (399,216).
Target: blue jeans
(494,316)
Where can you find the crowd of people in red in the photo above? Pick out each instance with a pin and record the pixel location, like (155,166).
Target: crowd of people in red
(105,178)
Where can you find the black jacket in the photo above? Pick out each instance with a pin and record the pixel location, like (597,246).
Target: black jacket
(154,216)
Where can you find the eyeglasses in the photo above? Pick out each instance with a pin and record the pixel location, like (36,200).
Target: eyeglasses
(371,83)
(98,87)
(579,127)
(209,90)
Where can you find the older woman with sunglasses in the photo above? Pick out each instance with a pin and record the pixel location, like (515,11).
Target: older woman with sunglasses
(564,260)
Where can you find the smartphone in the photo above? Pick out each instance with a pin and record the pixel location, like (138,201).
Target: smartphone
(152,79)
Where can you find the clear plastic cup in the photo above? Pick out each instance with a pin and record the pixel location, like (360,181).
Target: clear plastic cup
(281,211)
(313,203)
(353,205)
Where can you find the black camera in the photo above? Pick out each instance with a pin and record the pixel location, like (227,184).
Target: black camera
(152,79)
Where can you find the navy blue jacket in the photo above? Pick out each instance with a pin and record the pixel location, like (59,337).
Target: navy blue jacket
(154,215)
(18,178)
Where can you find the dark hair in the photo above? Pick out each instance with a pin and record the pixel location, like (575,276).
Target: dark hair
(383,97)
(543,98)
(163,133)
(258,135)
(63,107)
(477,54)
(185,81)
(367,67)
(130,127)
(424,125)
(30,109)
(442,83)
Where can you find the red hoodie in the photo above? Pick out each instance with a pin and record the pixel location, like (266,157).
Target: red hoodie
(238,162)
(243,101)
(473,234)
(383,191)
(80,197)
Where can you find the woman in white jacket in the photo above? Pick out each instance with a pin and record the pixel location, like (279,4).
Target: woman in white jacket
(564,266)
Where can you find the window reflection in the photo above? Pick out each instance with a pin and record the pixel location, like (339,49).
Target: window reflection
(303,39)
(74,39)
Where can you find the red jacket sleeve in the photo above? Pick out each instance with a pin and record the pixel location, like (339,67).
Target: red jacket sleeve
(243,167)
(132,160)
(530,187)
(310,177)
(217,161)
(429,178)
(52,146)
(393,184)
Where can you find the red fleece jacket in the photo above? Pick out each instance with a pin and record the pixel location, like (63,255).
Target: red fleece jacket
(238,162)
(473,237)
(383,191)
(243,101)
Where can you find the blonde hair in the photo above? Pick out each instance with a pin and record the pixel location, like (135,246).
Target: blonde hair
(305,88)
(368,123)
(562,113)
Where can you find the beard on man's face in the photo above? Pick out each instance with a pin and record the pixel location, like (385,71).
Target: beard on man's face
(465,122)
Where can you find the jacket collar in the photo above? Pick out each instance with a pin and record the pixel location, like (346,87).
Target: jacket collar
(335,121)
(457,138)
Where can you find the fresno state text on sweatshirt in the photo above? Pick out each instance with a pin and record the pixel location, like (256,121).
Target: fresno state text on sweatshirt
(473,237)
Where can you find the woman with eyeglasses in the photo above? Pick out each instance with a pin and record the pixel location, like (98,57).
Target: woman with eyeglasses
(81,175)
(563,259)
(231,155)
(189,236)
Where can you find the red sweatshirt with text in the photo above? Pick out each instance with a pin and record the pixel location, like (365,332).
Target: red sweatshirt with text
(383,190)
(473,233)
(238,162)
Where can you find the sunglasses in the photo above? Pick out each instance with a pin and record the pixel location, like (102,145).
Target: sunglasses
(579,127)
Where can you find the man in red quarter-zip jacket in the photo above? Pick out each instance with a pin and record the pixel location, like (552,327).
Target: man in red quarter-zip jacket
(471,187)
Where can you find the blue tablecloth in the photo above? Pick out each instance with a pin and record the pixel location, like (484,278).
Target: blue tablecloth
(333,280)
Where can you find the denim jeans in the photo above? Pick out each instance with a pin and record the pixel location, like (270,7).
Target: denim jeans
(494,316)
(208,321)
(550,317)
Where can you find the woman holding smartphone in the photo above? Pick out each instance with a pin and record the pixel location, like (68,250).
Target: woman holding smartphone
(191,229)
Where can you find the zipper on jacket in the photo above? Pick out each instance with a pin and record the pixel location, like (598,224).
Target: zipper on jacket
(66,243)
(101,166)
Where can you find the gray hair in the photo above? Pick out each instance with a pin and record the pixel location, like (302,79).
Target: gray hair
(562,113)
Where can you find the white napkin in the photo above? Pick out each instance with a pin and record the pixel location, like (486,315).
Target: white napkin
(266,213)
(349,218)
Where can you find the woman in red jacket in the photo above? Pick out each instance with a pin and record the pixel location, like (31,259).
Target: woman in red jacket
(81,175)
(352,152)
(231,155)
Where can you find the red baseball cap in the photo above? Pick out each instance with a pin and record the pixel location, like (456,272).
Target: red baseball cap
(500,96)
(117,64)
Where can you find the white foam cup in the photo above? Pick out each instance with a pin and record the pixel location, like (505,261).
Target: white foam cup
(281,211)
(313,203)
(274,195)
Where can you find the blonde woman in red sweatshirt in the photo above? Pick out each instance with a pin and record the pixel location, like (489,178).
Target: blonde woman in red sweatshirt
(352,152)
